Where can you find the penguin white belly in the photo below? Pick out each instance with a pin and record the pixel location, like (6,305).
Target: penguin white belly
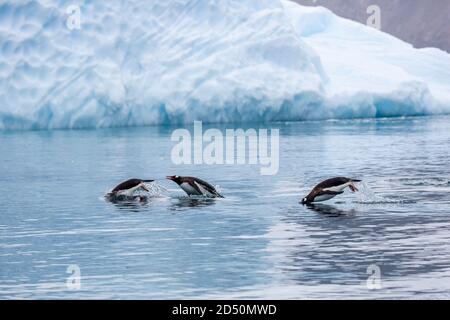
(324,197)
(189,189)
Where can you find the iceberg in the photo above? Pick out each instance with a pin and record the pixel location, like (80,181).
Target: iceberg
(157,62)
(372,74)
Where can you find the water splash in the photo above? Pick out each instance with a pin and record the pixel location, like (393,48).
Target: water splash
(196,197)
(367,196)
(156,190)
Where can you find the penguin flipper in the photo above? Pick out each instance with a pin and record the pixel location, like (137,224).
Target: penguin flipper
(196,187)
(208,188)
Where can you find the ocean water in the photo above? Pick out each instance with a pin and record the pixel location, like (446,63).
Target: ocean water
(258,242)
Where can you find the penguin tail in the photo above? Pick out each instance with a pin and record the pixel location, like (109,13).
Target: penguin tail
(355,180)
(148,180)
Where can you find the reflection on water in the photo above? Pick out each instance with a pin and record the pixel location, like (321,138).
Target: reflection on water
(258,242)
(133,206)
(191,202)
(330,210)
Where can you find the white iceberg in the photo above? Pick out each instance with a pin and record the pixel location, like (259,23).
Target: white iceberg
(167,62)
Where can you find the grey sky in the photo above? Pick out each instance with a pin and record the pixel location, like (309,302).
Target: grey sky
(423,23)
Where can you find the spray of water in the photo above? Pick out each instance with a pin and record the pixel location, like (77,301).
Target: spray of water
(156,190)
(367,196)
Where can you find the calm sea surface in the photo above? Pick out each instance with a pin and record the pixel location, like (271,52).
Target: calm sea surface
(390,240)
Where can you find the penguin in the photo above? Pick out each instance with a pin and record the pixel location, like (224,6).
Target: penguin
(195,186)
(127,188)
(329,189)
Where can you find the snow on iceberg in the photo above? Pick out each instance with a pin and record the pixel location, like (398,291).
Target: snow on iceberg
(159,62)
(372,74)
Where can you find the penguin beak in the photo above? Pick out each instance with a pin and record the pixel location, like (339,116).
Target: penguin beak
(171,178)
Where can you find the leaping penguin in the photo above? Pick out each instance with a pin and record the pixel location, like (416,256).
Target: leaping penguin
(195,186)
(329,189)
(127,188)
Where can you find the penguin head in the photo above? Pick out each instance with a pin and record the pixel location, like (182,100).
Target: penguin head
(304,200)
(176,179)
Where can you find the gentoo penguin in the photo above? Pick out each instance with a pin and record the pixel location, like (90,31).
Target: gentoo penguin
(127,188)
(195,186)
(329,189)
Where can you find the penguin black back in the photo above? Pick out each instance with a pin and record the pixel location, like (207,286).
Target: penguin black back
(131,183)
